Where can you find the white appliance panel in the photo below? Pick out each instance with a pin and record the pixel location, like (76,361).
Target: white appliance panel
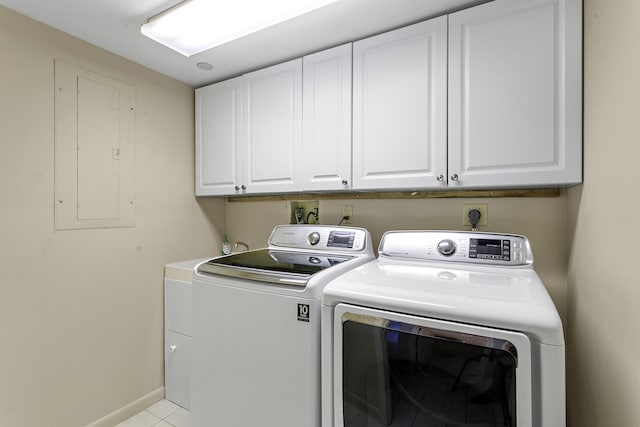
(243,337)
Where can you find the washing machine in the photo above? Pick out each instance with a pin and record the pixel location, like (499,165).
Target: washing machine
(256,327)
(444,328)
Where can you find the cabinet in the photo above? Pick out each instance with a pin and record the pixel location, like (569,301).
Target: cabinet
(515,94)
(177,351)
(497,106)
(178,379)
(400,107)
(218,138)
(326,119)
(487,97)
(249,132)
(272,128)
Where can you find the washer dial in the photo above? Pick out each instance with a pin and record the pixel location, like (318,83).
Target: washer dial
(313,238)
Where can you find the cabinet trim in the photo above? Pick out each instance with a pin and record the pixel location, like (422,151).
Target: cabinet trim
(462,194)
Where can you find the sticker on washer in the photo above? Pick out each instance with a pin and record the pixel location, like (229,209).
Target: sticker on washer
(303,312)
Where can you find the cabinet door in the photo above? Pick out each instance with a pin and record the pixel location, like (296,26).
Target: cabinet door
(272,124)
(178,369)
(218,138)
(177,323)
(177,302)
(515,94)
(326,120)
(400,108)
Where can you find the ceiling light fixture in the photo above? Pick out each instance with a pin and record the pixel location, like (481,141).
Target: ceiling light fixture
(193,26)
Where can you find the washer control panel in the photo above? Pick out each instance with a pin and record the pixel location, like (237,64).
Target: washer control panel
(320,237)
(458,246)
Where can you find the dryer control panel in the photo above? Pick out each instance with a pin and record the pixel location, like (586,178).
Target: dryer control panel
(458,246)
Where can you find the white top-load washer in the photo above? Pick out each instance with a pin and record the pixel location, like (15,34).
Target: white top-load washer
(256,327)
(443,329)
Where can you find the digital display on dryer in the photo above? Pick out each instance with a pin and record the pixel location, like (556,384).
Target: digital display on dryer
(495,249)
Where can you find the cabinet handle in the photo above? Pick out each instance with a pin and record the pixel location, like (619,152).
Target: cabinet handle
(172,348)
(237,188)
(454,177)
(345,182)
(440,178)
(244,187)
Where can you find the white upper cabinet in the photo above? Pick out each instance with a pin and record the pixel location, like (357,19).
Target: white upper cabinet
(272,128)
(515,94)
(400,108)
(249,133)
(487,97)
(326,119)
(218,138)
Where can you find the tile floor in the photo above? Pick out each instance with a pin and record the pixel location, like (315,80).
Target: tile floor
(161,414)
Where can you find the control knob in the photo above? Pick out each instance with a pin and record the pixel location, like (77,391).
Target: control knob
(447,247)
(313,238)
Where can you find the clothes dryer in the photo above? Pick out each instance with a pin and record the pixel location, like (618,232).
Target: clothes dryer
(443,329)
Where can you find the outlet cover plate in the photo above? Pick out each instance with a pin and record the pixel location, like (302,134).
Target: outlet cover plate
(347,210)
(484,213)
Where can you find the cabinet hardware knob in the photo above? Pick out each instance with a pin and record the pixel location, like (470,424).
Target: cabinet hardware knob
(345,182)
(237,188)
(440,178)
(454,177)
(172,348)
(244,187)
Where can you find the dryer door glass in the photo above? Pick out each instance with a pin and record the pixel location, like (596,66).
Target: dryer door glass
(397,374)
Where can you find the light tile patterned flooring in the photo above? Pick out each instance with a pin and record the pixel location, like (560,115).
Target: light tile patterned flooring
(161,414)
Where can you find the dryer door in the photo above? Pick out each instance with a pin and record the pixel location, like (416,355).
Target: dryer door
(393,369)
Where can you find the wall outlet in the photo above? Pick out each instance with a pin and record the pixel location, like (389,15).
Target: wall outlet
(347,211)
(307,212)
(484,214)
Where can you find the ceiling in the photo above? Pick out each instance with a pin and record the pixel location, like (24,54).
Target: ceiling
(114,25)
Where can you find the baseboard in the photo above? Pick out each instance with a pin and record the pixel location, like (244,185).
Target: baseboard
(129,410)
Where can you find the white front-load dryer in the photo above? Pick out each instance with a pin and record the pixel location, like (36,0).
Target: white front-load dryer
(443,329)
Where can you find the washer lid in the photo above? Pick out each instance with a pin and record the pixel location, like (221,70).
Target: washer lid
(271,266)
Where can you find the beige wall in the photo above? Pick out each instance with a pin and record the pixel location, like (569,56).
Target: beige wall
(81,312)
(603,290)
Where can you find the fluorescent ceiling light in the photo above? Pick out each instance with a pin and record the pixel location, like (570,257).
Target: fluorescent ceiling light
(193,26)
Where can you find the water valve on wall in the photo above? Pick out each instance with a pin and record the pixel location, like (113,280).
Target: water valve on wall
(307,212)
